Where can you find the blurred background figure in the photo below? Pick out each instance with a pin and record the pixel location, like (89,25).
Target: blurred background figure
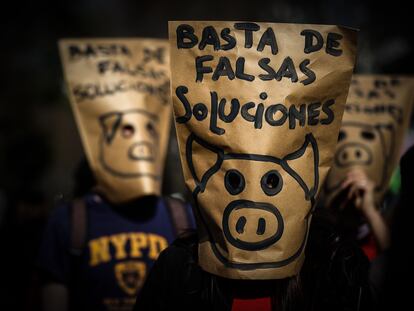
(97,249)
(370,142)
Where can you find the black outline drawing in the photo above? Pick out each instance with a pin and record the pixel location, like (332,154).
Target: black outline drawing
(157,54)
(229,187)
(338,152)
(387,154)
(139,158)
(252,246)
(271,191)
(108,135)
(283,162)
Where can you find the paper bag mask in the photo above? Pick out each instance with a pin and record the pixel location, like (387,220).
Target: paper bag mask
(119,92)
(377,115)
(258,107)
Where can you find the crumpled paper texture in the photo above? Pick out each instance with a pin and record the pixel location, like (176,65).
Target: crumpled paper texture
(257,124)
(119,94)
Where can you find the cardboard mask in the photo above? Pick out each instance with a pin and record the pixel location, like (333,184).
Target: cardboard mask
(377,115)
(258,107)
(118,90)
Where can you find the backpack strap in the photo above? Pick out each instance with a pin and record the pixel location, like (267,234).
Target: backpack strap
(78,227)
(178,214)
(78,237)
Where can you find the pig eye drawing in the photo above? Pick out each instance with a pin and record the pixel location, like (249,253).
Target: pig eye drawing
(151,130)
(367,135)
(127,131)
(341,136)
(234,182)
(127,137)
(272,183)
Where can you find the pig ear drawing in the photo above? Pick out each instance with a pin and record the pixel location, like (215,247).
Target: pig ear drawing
(310,181)
(110,123)
(203,160)
(387,136)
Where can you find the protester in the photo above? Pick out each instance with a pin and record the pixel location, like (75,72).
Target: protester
(376,118)
(255,185)
(98,249)
(375,121)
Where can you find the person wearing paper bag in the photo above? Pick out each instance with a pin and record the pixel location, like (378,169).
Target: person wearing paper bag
(98,249)
(376,117)
(258,108)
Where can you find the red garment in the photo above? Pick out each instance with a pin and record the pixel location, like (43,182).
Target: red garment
(257,304)
(369,247)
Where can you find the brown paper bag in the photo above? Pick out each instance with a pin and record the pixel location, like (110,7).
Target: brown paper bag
(258,108)
(376,118)
(119,93)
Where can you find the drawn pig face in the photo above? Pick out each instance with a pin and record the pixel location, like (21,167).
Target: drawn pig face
(129,144)
(254,208)
(362,145)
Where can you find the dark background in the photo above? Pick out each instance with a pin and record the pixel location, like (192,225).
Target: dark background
(39,142)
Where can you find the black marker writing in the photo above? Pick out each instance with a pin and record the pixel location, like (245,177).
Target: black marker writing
(77,51)
(90,91)
(224,68)
(274,115)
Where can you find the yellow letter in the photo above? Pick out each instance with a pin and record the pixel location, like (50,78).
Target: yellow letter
(99,251)
(156,245)
(119,241)
(138,241)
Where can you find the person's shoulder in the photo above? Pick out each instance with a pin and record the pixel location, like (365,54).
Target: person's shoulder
(335,272)
(93,201)
(176,280)
(178,265)
(341,258)
(59,215)
(182,252)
